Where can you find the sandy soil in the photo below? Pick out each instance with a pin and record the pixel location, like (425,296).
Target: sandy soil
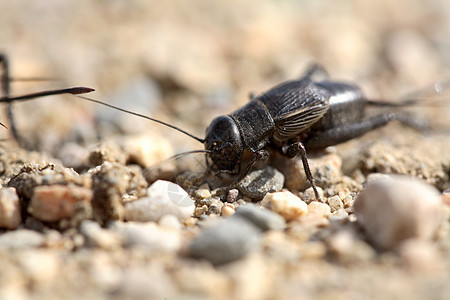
(186,62)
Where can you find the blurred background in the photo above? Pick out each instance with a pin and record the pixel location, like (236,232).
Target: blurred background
(188,61)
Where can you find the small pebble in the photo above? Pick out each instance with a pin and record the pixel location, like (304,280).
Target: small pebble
(227,211)
(164,198)
(190,222)
(309,195)
(338,215)
(215,207)
(286,204)
(146,150)
(348,249)
(263,218)
(106,152)
(446,197)
(148,235)
(99,237)
(316,216)
(200,211)
(170,221)
(239,202)
(319,208)
(397,208)
(348,200)
(252,277)
(260,182)
(32,262)
(202,194)
(10,216)
(56,202)
(110,182)
(227,241)
(21,239)
(335,203)
(206,202)
(420,255)
(232,195)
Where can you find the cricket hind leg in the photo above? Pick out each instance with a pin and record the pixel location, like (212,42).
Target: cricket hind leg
(345,133)
(294,149)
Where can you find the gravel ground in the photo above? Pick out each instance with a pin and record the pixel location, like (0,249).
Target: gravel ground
(85,214)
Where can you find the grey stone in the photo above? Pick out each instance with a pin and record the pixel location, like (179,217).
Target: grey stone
(164,198)
(397,208)
(227,241)
(261,217)
(260,182)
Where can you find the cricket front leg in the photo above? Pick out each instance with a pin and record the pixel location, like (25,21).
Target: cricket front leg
(258,156)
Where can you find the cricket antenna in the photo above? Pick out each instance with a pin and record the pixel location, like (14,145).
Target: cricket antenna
(73,91)
(182,154)
(145,117)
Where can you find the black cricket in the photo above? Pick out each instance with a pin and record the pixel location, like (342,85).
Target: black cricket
(293,117)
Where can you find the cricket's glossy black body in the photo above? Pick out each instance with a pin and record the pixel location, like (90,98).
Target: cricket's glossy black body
(347,106)
(292,117)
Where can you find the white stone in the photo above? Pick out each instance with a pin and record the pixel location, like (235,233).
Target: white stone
(398,208)
(285,204)
(164,198)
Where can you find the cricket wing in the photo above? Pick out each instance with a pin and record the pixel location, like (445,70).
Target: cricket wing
(295,106)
